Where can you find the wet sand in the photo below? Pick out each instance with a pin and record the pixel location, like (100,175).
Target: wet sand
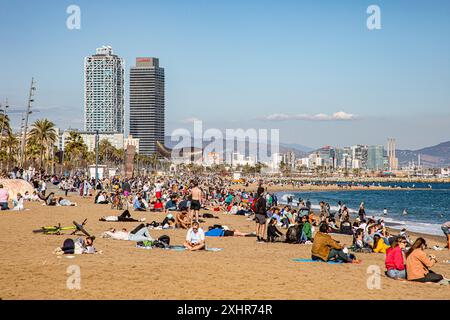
(243,270)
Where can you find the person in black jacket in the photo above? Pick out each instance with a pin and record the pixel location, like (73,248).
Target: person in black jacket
(260,214)
(273,234)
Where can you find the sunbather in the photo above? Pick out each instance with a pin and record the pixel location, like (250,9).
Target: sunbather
(124,217)
(140,233)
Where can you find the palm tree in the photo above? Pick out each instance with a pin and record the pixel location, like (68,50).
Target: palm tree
(75,148)
(154,161)
(12,144)
(44,133)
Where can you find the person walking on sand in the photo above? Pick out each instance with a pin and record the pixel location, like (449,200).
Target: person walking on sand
(445,228)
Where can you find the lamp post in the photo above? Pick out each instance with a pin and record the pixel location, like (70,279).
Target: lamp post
(25,128)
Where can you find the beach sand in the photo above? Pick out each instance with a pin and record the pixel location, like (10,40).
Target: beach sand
(243,270)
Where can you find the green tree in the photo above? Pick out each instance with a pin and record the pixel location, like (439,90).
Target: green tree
(44,134)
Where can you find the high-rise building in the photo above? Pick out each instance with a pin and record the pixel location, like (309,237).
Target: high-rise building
(392,159)
(375,158)
(147,104)
(104,92)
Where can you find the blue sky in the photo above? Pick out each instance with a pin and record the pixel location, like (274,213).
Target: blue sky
(248,64)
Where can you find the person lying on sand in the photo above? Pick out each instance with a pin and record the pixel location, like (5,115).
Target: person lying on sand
(325,248)
(224,231)
(65,202)
(195,238)
(140,233)
(124,217)
(77,246)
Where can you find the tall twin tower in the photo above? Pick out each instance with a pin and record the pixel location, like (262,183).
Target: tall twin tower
(104,98)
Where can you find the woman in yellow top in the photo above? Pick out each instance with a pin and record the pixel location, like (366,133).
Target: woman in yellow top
(379,245)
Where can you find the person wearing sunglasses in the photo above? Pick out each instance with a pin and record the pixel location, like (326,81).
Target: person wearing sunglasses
(395,261)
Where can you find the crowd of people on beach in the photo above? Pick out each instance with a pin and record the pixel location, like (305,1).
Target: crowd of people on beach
(183,198)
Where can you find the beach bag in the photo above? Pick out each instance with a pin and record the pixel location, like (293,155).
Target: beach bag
(253,206)
(164,239)
(68,246)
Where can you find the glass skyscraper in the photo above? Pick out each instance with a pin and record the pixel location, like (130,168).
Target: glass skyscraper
(147,104)
(104,92)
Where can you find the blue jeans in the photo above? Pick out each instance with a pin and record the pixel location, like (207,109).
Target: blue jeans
(303,237)
(4,206)
(396,274)
(141,235)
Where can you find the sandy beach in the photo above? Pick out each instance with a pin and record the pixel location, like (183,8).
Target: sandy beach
(243,270)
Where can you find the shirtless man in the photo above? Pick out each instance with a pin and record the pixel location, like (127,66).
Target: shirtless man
(182,220)
(197,199)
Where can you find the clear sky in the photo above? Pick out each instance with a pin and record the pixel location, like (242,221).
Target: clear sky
(248,64)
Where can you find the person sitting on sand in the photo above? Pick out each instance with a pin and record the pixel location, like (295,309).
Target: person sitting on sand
(379,245)
(183,220)
(18,203)
(124,217)
(102,198)
(49,200)
(395,261)
(358,242)
(195,238)
(418,264)
(273,234)
(138,205)
(158,206)
(306,230)
(140,233)
(445,228)
(325,248)
(168,222)
(4,197)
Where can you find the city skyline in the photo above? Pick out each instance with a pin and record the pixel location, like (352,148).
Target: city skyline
(337,84)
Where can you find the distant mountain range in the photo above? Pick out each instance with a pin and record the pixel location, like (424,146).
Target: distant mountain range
(435,156)
(431,157)
(298,149)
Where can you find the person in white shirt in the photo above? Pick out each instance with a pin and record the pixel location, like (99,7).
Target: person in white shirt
(139,234)
(18,203)
(195,238)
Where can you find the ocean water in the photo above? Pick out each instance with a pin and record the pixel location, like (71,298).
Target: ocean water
(427,209)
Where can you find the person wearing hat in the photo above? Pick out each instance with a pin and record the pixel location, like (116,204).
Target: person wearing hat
(169,221)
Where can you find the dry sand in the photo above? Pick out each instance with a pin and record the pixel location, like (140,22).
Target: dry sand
(243,270)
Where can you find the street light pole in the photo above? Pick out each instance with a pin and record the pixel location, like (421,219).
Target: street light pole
(25,128)
(96,158)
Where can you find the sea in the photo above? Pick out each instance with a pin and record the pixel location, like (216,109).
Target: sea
(426,209)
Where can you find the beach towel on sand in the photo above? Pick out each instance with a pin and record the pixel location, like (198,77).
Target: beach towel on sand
(311,260)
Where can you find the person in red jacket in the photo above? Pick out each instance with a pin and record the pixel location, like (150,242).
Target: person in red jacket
(395,261)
